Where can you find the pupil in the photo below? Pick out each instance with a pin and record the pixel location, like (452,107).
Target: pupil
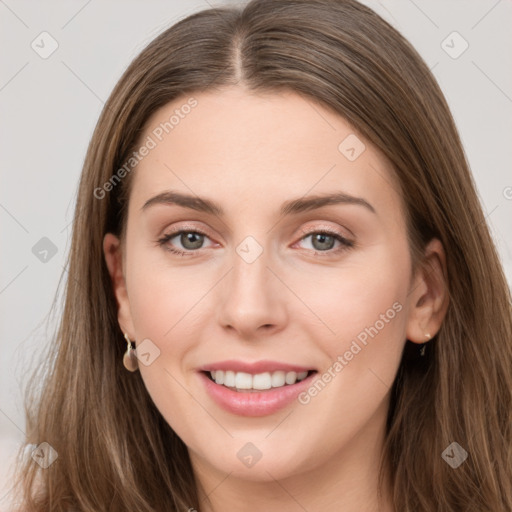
(191,240)
(323,239)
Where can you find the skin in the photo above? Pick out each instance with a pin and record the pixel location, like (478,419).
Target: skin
(250,153)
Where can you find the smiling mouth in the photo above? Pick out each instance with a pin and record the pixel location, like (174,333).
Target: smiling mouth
(243,382)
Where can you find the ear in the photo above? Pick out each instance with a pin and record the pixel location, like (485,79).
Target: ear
(428,295)
(112,250)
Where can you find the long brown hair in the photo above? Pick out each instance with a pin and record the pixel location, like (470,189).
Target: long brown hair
(115,450)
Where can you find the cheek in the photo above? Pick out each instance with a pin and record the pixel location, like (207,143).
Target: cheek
(164,303)
(363,314)
(363,300)
(163,297)
(362,307)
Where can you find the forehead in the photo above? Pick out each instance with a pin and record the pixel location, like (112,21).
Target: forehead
(235,146)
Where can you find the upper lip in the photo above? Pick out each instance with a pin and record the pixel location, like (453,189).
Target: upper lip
(254,367)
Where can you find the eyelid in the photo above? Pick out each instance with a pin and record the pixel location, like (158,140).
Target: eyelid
(185,228)
(323,229)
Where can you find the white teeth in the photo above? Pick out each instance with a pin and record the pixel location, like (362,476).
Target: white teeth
(243,380)
(291,378)
(278,379)
(260,381)
(229,379)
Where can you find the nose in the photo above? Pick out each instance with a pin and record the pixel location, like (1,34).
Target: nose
(252,300)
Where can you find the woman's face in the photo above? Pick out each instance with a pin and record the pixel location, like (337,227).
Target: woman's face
(236,262)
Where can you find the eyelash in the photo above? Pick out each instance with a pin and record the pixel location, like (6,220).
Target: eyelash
(345,244)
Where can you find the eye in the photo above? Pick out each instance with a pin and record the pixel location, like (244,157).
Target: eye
(189,240)
(322,241)
(326,240)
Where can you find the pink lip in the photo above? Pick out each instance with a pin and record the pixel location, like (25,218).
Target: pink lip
(254,368)
(254,403)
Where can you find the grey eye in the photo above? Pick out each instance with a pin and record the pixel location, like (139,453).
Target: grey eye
(191,240)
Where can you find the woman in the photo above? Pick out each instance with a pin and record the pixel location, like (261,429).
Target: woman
(278,234)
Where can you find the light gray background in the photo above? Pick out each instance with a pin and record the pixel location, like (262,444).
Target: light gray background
(49,107)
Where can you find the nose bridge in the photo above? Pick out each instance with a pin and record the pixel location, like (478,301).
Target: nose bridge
(251,298)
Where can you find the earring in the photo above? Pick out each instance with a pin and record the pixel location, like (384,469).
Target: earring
(130,359)
(424,345)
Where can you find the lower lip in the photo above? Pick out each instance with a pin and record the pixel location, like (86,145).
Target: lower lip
(254,403)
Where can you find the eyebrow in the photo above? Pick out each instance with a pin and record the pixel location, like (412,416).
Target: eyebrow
(293,206)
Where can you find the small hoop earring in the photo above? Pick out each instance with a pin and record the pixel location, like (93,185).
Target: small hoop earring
(130,358)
